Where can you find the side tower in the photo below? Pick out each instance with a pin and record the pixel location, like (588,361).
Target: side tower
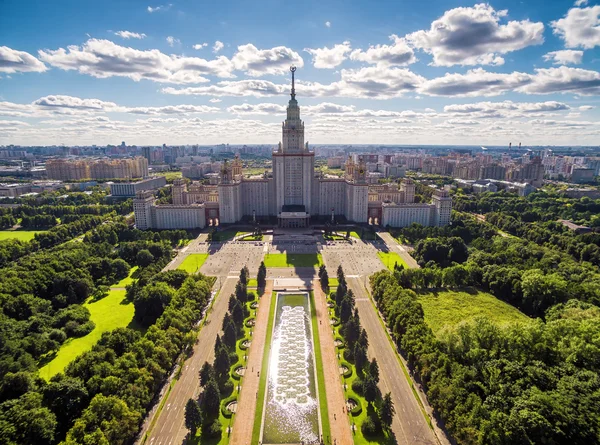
(443,208)
(179,189)
(142,209)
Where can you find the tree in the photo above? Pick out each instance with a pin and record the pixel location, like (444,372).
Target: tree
(207,372)
(210,401)
(230,336)
(324,279)
(241,292)
(193,416)
(374,370)
(261,278)
(222,363)
(238,315)
(244,276)
(370,390)
(387,411)
(144,258)
(360,358)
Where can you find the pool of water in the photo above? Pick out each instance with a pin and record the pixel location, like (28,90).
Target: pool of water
(291,413)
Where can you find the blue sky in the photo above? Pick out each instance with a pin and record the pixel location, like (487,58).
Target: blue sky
(83,72)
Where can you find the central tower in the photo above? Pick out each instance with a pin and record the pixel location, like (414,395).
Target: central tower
(293,168)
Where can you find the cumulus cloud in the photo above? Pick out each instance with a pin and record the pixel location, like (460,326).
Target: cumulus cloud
(103,59)
(505,109)
(329,57)
(399,53)
(564,57)
(200,45)
(172,41)
(580,2)
(474,35)
(241,88)
(579,28)
(130,35)
(218,46)
(563,80)
(586,107)
(476,82)
(61,101)
(264,108)
(4,123)
(214,100)
(257,62)
(328,24)
(152,9)
(13,61)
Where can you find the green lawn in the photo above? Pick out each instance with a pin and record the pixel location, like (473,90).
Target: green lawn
(193,262)
(293,260)
(389,259)
(108,314)
(447,309)
(21,235)
(252,282)
(127,280)
(333,282)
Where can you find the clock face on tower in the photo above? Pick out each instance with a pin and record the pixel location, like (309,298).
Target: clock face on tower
(361,171)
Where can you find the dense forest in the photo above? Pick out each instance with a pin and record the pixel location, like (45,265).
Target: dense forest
(99,398)
(529,383)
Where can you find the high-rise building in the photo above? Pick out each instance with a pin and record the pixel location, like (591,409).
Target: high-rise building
(66,170)
(295,193)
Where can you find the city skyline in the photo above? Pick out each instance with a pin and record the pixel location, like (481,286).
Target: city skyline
(451,72)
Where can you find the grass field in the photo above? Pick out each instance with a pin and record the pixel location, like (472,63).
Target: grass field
(447,309)
(252,282)
(193,262)
(293,260)
(389,259)
(21,235)
(128,280)
(108,314)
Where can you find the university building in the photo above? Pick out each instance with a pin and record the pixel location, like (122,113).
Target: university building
(293,194)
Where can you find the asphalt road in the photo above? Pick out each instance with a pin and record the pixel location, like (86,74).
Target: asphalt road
(169,428)
(409,425)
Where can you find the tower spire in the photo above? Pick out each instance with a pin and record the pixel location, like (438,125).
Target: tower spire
(293,70)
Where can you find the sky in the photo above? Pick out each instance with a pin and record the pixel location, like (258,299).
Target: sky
(81,72)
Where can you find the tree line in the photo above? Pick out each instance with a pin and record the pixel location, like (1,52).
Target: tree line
(532,382)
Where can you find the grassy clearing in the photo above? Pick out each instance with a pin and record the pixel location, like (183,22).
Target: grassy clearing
(320,374)
(109,313)
(262,385)
(252,282)
(193,262)
(21,235)
(333,283)
(389,259)
(446,309)
(293,260)
(127,280)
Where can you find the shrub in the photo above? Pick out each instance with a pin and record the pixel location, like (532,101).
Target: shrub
(214,430)
(357,387)
(371,427)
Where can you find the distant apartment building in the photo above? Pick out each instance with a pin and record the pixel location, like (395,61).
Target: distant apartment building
(492,171)
(582,175)
(14,190)
(531,172)
(129,189)
(69,170)
(335,161)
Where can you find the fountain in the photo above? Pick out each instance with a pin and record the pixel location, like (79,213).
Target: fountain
(291,414)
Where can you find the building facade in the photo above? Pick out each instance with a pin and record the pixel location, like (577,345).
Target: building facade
(68,170)
(130,189)
(294,194)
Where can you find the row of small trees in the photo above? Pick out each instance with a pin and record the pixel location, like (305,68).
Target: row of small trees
(355,352)
(215,378)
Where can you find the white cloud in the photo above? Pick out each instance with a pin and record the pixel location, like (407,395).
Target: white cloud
(505,109)
(103,59)
(172,41)
(130,35)
(256,62)
(563,80)
(329,57)
(4,123)
(397,54)
(579,28)
(151,9)
(580,2)
(476,82)
(264,108)
(60,101)
(564,57)
(586,107)
(218,46)
(214,100)
(13,61)
(474,35)
(200,45)
(328,24)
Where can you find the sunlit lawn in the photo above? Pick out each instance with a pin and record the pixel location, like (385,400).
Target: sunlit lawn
(109,313)
(446,309)
(389,259)
(193,262)
(21,235)
(127,280)
(293,260)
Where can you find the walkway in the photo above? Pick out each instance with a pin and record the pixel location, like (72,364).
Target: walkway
(338,419)
(243,422)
